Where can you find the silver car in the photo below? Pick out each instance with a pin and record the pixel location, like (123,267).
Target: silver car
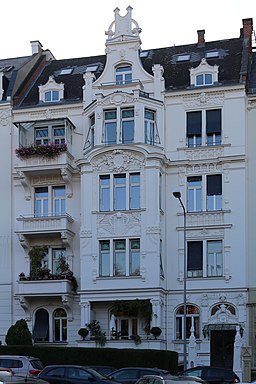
(22,365)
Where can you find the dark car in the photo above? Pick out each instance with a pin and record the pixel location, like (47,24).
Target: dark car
(213,375)
(72,374)
(130,375)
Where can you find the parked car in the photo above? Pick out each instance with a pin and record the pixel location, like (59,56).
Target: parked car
(213,375)
(130,375)
(72,374)
(169,379)
(22,365)
(15,379)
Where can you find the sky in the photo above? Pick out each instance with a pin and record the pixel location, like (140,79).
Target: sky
(76,28)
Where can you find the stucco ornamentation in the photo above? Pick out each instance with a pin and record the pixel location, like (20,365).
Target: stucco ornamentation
(118,161)
(119,224)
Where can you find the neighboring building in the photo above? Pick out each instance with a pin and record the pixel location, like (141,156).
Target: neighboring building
(13,73)
(129,128)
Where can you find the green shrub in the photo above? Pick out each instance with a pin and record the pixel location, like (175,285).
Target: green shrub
(19,334)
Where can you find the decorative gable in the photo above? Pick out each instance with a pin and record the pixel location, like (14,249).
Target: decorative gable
(204,74)
(51,91)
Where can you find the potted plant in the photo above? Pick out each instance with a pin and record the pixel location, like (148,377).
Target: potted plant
(136,339)
(155,331)
(83,332)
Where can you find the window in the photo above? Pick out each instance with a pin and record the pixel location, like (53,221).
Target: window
(127,125)
(110,125)
(50,201)
(134,258)
(204,193)
(214,192)
(214,258)
(194,129)
(151,134)
(213,127)
(105,193)
(204,79)
(124,74)
(194,193)
(50,134)
(42,136)
(204,126)
(192,320)
(120,257)
(119,192)
(205,258)
(195,259)
(124,134)
(50,96)
(41,201)
(105,258)
(60,325)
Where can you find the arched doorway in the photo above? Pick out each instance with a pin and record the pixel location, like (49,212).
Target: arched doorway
(41,326)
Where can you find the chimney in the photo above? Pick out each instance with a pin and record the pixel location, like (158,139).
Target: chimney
(200,35)
(36,46)
(247,27)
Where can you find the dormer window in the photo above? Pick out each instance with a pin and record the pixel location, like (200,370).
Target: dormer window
(124,74)
(51,96)
(51,91)
(204,79)
(204,74)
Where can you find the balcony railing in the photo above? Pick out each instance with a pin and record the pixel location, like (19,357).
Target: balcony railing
(45,224)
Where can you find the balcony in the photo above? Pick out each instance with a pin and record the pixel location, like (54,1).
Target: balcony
(206,219)
(45,287)
(62,288)
(45,145)
(31,226)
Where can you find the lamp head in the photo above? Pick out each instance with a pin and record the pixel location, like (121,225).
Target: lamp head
(177,194)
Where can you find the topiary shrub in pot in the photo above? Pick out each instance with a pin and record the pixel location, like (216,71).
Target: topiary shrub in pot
(83,332)
(155,331)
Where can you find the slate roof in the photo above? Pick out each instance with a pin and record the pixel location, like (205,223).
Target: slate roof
(10,68)
(176,74)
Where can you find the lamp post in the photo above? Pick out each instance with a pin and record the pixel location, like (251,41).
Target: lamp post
(177,195)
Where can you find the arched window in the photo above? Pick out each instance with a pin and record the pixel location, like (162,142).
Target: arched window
(192,320)
(124,74)
(59,325)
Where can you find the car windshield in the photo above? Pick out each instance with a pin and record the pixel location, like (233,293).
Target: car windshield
(37,364)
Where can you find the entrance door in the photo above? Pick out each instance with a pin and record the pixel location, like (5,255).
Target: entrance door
(222,348)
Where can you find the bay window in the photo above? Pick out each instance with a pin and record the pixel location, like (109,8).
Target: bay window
(49,201)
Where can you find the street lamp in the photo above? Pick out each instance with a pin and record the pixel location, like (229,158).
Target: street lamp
(177,195)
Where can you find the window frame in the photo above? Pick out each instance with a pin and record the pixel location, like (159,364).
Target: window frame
(45,205)
(206,129)
(123,74)
(192,312)
(119,255)
(115,196)
(203,263)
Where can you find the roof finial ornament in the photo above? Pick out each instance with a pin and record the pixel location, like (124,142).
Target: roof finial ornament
(123,26)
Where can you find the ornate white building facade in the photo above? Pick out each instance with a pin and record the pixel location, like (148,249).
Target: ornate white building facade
(131,127)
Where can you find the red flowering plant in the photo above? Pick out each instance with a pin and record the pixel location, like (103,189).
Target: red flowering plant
(49,150)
